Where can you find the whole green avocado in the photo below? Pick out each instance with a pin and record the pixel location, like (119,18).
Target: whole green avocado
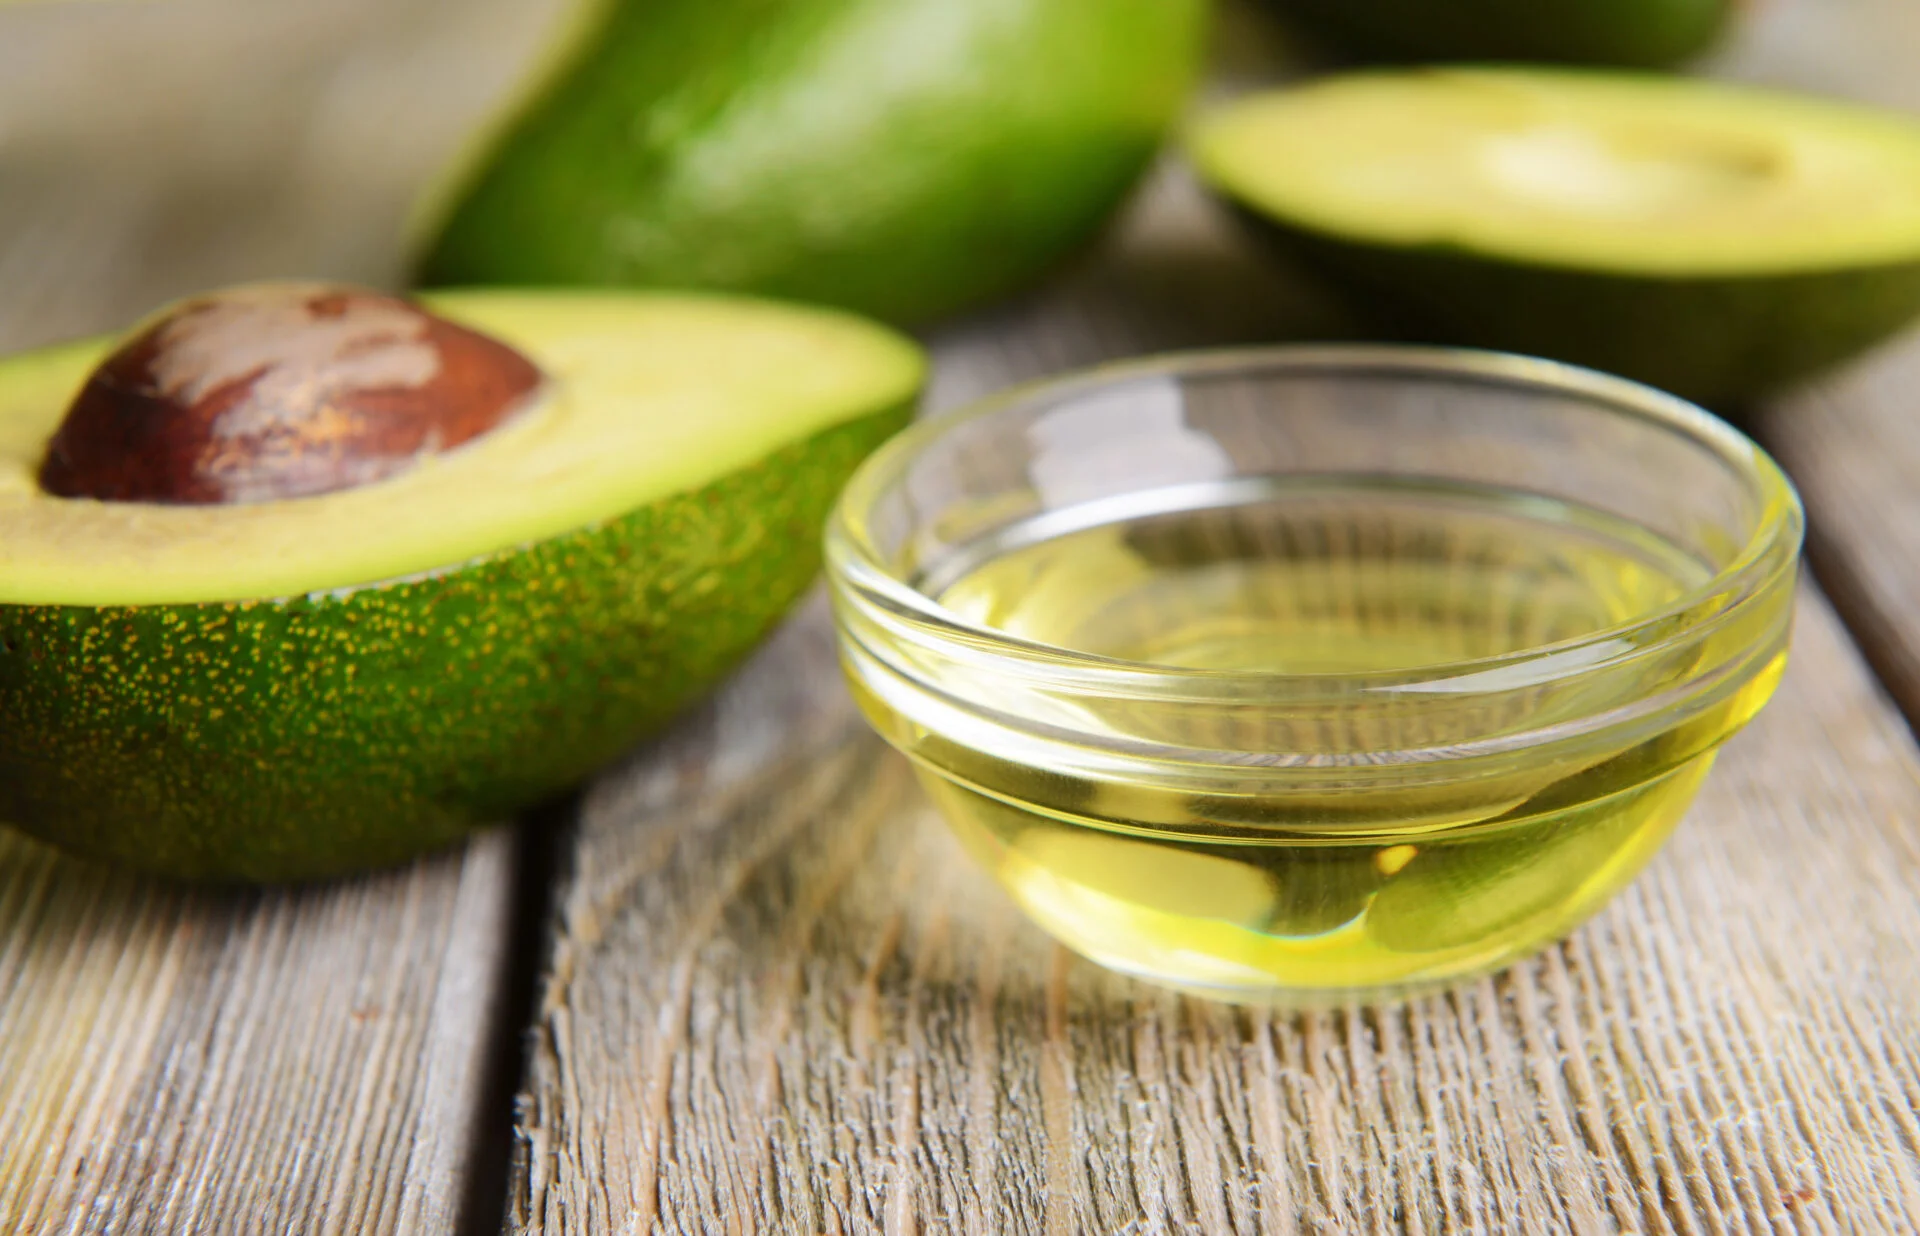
(905,159)
(1628,33)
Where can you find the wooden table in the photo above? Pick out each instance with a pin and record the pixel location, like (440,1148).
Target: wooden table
(746,983)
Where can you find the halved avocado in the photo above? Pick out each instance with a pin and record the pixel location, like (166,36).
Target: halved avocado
(1633,33)
(296,687)
(1712,240)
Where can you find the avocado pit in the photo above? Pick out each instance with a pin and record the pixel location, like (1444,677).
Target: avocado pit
(284,390)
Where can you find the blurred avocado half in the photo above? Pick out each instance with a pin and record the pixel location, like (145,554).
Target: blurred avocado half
(1712,240)
(1627,33)
(901,158)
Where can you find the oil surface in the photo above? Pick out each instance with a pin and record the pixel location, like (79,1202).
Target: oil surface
(1338,576)
(1291,893)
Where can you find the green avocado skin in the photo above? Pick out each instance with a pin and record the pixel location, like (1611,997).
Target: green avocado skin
(905,159)
(1718,341)
(306,737)
(1630,33)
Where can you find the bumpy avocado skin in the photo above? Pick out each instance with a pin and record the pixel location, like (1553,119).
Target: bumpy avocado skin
(905,159)
(311,736)
(1719,341)
(1633,33)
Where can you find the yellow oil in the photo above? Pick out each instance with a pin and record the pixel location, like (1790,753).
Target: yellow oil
(1287,894)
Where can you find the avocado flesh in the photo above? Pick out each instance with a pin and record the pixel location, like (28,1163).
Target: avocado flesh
(649,395)
(1630,33)
(902,158)
(218,722)
(1714,241)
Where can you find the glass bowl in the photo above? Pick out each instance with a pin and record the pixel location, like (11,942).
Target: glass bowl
(1293,675)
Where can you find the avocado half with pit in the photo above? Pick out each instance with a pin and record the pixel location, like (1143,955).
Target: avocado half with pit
(1712,240)
(300,579)
(1629,33)
(901,158)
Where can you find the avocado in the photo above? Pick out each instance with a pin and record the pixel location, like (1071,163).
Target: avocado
(1715,241)
(287,656)
(1628,33)
(900,158)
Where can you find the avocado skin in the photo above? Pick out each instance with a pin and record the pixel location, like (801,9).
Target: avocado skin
(905,159)
(1719,341)
(306,737)
(1629,33)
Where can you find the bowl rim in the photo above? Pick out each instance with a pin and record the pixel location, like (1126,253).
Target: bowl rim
(854,563)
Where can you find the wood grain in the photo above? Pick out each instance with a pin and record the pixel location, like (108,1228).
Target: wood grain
(1852,440)
(299,1061)
(154,148)
(1852,444)
(780,998)
(292,1061)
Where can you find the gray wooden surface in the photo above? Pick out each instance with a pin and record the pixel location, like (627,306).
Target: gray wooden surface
(1852,441)
(300,1061)
(152,148)
(780,998)
(179,1061)
(1853,446)
(777,997)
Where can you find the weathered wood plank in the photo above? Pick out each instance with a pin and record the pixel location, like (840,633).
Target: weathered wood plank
(780,998)
(152,148)
(182,1061)
(1852,441)
(1857,49)
(1852,444)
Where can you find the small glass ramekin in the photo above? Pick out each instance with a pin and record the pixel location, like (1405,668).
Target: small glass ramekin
(1312,837)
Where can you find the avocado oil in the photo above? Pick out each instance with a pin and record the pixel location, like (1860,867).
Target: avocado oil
(1393,597)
